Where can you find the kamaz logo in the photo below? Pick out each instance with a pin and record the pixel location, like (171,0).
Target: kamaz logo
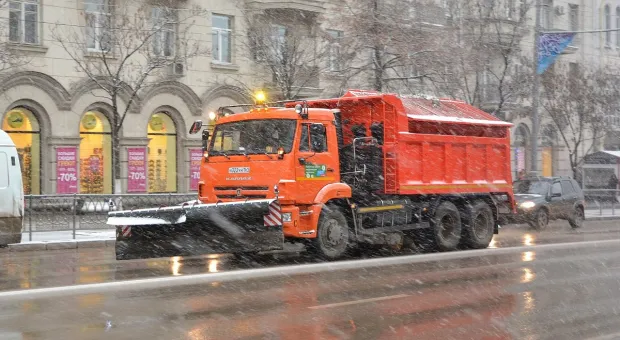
(239,170)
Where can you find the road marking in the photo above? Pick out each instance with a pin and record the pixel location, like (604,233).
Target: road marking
(356,302)
(607,337)
(283,271)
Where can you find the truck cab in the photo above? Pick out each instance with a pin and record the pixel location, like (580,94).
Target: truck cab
(255,154)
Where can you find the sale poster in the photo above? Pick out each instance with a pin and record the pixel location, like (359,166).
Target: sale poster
(195,157)
(66,170)
(136,169)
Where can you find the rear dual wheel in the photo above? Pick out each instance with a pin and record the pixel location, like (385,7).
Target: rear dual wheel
(445,231)
(478,226)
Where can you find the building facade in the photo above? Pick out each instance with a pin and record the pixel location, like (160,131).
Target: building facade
(61,119)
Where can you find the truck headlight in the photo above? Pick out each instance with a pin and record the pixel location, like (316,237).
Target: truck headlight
(528,205)
(287,217)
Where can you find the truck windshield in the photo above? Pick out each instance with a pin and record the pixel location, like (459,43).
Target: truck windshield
(531,187)
(253,137)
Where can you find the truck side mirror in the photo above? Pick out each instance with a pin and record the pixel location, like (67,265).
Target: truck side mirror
(205,140)
(196,126)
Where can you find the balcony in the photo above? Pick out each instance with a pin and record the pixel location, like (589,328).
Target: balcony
(315,6)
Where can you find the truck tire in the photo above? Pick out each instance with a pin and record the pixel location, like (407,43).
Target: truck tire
(332,239)
(478,226)
(577,218)
(445,232)
(540,220)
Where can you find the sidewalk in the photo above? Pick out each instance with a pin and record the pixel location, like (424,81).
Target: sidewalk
(602,214)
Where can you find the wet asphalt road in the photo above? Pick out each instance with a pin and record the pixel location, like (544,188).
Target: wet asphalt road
(564,291)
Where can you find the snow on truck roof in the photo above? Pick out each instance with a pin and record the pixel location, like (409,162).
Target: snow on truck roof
(433,109)
(446,110)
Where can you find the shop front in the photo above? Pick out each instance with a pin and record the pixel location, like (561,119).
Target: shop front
(162,154)
(95,170)
(23,128)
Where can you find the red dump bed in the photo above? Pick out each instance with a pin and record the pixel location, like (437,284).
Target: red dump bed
(431,146)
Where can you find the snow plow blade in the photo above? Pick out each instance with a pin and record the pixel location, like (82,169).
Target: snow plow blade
(198,229)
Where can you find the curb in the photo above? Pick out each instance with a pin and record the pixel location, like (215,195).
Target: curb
(603,218)
(60,245)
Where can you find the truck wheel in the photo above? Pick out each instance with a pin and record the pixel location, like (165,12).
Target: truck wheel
(478,226)
(576,221)
(332,238)
(445,233)
(541,220)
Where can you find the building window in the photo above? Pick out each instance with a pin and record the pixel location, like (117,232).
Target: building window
(162,154)
(222,34)
(607,25)
(573,17)
(97,15)
(335,58)
(23,128)
(617,26)
(164,27)
(510,9)
(278,41)
(546,18)
(24,21)
(95,154)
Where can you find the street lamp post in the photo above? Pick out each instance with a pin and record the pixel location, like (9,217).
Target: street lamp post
(535,92)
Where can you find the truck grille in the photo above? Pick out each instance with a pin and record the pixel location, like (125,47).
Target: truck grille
(231,192)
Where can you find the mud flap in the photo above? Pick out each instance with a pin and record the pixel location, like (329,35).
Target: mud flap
(198,230)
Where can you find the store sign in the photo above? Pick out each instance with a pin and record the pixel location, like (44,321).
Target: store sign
(136,169)
(195,157)
(66,170)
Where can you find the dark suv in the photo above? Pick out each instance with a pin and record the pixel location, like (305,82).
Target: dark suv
(540,199)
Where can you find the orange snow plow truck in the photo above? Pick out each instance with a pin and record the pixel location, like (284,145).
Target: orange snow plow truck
(366,168)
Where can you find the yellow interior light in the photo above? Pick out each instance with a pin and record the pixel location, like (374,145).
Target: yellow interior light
(212,115)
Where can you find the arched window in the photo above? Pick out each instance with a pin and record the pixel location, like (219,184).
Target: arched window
(617,26)
(549,141)
(607,25)
(162,154)
(521,144)
(95,154)
(23,128)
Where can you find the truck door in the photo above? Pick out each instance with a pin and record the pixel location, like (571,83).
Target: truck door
(317,160)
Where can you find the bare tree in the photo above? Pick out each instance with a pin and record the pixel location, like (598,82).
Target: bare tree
(574,102)
(393,42)
(127,49)
(484,63)
(287,45)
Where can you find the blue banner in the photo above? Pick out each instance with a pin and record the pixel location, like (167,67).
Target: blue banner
(550,46)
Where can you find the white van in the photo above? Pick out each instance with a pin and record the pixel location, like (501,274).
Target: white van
(11,193)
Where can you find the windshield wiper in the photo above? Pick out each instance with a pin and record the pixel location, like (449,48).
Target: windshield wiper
(220,153)
(268,155)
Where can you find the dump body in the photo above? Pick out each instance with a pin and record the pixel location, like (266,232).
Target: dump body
(430,146)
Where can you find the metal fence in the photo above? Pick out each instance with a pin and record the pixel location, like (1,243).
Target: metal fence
(603,200)
(44,213)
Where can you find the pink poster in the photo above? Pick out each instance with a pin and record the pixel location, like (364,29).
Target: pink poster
(136,169)
(66,170)
(195,157)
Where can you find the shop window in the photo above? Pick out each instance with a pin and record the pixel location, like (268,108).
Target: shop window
(23,128)
(95,154)
(162,154)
